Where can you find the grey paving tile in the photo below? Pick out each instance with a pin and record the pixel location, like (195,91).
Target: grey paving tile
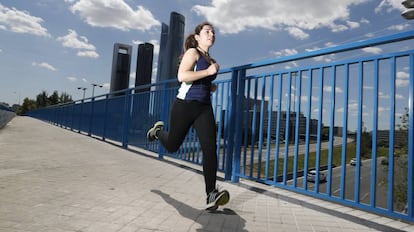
(80,184)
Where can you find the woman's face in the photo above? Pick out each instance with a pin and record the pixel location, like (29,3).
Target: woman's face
(206,37)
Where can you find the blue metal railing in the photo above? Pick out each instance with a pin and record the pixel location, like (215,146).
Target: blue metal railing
(6,115)
(275,124)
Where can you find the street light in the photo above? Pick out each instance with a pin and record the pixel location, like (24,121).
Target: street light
(84,89)
(409,12)
(93,87)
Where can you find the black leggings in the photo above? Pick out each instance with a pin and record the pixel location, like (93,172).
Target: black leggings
(183,115)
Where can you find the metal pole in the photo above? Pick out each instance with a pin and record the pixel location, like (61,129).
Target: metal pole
(93,88)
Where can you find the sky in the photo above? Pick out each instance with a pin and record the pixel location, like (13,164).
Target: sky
(60,45)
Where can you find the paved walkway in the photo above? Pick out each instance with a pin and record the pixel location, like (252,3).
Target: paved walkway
(56,180)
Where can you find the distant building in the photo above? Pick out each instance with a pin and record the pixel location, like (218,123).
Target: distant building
(162,55)
(121,65)
(143,71)
(171,47)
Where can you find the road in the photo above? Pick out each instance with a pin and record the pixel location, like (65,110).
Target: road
(349,191)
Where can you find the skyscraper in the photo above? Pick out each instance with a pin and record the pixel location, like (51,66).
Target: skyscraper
(169,58)
(121,64)
(144,65)
(162,56)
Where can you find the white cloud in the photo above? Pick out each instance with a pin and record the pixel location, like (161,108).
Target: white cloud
(329,89)
(1,50)
(72,79)
(81,43)
(44,65)
(403,79)
(286,52)
(399,27)
(234,16)
(389,5)
(383,109)
(373,50)
(352,25)
(297,33)
(114,13)
(369,35)
(383,95)
(363,20)
(91,54)
(19,21)
(399,96)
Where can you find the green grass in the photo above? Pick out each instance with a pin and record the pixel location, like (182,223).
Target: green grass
(323,161)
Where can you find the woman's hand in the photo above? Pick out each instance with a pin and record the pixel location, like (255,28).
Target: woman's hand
(212,69)
(213,87)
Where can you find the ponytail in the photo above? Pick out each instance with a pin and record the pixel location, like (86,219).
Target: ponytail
(190,42)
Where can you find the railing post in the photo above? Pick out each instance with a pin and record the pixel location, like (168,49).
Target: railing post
(164,114)
(127,117)
(239,125)
(91,116)
(410,200)
(105,117)
(230,124)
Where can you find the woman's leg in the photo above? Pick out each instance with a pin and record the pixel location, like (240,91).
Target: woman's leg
(205,126)
(181,118)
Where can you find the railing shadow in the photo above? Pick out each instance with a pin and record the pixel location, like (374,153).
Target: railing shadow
(209,221)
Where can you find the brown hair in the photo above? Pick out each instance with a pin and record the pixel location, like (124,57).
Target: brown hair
(190,41)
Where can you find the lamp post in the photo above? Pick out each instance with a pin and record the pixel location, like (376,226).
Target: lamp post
(409,12)
(19,97)
(83,89)
(93,88)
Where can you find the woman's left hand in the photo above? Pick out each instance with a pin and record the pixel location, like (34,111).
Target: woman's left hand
(213,87)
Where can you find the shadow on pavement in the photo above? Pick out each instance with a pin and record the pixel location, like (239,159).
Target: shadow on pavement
(219,220)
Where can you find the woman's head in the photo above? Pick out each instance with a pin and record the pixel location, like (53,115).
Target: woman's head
(203,36)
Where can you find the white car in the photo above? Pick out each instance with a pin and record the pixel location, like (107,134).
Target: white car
(311,176)
(353,162)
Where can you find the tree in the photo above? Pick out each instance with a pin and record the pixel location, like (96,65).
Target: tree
(42,99)
(401,166)
(366,142)
(64,98)
(54,98)
(27,106)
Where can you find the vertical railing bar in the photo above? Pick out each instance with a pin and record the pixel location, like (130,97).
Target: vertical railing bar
(105,117)
(308,122)
(344,133)
(127,118)
(279,108)
(220,124)
(253,125)
(331,131)
(260,145)
(296,150)
(269,126)
(246,130)
(373,187)
(359,132)
(410,201)
(391,136)
(287,129)
(231,125)
(239,121)
(318,146)
(226,124)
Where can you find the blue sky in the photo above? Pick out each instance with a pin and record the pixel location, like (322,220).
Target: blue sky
(65,44)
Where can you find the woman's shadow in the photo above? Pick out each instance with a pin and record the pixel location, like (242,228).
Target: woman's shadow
(219,220)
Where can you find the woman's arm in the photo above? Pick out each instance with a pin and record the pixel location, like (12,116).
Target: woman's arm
(186,71)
